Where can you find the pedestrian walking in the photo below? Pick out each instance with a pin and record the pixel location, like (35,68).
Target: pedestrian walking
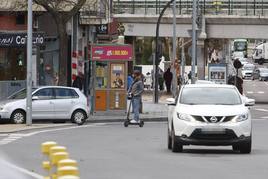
(135,91)
(168,79)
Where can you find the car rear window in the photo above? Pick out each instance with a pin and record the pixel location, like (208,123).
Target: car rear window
(62,93)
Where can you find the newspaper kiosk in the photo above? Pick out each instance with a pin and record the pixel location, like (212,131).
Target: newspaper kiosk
(109,72)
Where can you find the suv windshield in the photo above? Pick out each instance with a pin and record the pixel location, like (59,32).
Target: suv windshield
(20,94)
(210,96)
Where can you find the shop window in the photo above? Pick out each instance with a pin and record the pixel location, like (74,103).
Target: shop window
(101,75)
(20,19)
(3,57)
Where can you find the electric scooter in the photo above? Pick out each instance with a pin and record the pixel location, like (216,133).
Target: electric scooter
(127,121)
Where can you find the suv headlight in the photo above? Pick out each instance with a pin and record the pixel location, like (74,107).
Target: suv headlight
(240,118)
(185,117)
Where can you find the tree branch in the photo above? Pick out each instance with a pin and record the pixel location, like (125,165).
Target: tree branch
(74,10)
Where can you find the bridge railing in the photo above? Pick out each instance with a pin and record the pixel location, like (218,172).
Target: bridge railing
(184,7)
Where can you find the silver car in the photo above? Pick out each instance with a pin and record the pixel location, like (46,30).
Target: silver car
(261,74)
(50,102)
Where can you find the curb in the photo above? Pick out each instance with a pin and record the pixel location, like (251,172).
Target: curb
(91,121)
(157,119)
(35,128)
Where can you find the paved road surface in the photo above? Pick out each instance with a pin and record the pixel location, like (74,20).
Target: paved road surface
(113,152)
(257,90)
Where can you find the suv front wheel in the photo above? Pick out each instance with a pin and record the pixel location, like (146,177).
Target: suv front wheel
(175,145)
(245,147)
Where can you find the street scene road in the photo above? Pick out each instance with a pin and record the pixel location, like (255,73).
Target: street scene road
(134,89)
(112,151)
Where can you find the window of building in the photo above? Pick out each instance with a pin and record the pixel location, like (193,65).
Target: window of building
(20,19)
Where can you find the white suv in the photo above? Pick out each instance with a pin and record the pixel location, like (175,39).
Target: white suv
(50,102)
(209,114)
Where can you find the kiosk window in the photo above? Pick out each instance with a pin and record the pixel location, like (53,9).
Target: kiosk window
(101,75)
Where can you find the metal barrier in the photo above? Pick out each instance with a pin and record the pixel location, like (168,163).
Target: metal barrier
(9,87)
(184,7)
(57,162)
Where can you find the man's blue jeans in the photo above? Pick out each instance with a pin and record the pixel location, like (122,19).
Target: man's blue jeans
(136,102)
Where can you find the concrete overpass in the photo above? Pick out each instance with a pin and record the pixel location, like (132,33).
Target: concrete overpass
(227,26)
(224,18)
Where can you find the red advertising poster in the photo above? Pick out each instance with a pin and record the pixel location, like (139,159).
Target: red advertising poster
(111,52)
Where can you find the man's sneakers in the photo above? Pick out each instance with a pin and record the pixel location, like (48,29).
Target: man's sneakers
(134,121)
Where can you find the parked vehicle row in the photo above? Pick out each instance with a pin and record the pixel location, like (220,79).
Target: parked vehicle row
(50,102)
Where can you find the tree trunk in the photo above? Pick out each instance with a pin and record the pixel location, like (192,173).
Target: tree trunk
(63,46)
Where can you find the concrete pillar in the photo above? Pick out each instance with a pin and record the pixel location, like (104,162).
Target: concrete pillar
(201,62)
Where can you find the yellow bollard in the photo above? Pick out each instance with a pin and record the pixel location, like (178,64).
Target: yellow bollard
(55,158)
(67,162)
(56,149)
(46,165)
(68,177)
(67,170)
(46,146)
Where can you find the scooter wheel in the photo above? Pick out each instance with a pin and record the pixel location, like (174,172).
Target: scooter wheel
(126,123)
(141,124)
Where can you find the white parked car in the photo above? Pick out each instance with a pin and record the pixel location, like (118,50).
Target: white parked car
(209,114)
(50,102)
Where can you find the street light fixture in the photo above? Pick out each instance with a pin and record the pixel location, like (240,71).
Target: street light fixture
(156,60)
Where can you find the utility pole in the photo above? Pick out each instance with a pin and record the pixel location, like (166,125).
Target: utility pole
(174,70)
(182,62)
(29,65)
(194,39)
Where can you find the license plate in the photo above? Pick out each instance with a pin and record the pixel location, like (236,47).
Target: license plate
(213,131)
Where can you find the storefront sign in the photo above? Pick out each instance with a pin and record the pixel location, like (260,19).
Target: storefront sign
(217,73)
(19,40)
(111,52)
(102,29)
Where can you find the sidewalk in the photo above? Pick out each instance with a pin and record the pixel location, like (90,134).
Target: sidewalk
(151,112)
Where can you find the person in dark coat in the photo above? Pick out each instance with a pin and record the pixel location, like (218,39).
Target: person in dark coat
(239,83)
(168,79)
(78,83)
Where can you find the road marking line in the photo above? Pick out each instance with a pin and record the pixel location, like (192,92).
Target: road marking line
(260,119)
(265,117)
(262,110)
(260,92)
(250,92)
(23,170)
(4,135)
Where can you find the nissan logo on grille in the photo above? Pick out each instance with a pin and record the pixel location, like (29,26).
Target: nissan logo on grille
(213,119)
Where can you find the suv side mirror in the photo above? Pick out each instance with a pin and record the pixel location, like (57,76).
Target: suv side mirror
(35,98)
(249,102)
(171,101)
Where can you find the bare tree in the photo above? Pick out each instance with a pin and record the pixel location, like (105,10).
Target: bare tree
(62,11)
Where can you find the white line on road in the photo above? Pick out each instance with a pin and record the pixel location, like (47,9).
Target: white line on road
(262,110)
(260,92)
(250,92)
(264,117)
(23,170)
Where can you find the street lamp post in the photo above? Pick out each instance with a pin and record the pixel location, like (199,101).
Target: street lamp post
(29,65)
(157,51)
(194,38)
